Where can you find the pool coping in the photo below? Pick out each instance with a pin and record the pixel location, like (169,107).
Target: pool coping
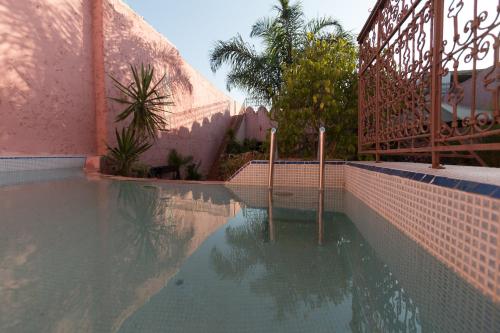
(468,186)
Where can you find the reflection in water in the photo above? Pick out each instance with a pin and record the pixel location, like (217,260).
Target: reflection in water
(293,270)
(270,214)
(105,257)
(301,277)
(319,213)
(86,255)
(153,232)
(276,269)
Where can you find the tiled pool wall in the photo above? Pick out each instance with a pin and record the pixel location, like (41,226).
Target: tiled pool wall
(457,221)
(405,259)
(19,170)
(459,228)
(287,197)
(41,163)
(290,174)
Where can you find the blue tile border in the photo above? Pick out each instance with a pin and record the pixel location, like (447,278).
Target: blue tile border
(488,190)
(298,162)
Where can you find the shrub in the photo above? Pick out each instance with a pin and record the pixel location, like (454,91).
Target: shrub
(127,152)
(192,171)
(177,161)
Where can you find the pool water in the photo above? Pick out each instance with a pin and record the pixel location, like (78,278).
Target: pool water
(104,256)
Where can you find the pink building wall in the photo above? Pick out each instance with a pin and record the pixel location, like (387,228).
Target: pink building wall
(46,88)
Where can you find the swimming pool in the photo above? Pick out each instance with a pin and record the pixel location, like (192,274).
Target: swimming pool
(110,256)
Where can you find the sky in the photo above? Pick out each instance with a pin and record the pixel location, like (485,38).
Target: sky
(193,26)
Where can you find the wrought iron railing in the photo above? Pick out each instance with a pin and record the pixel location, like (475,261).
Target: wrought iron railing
(429,78)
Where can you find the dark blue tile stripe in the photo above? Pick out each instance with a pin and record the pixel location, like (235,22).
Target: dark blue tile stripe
(458,184)
(298,162)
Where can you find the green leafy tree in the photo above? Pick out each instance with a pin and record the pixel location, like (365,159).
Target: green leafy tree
(319,89)
(261,73)
(127,152)
(144,100)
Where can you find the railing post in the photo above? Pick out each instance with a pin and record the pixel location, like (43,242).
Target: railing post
(272,149)
(437,42)
(321,158)
(378,98)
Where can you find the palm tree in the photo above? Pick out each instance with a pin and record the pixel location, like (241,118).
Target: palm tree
(146,101)
(129,148)
(282,36)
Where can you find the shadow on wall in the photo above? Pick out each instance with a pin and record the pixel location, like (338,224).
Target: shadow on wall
(206,113)
(46,98)
(125,45)
(257,124)
(200,141)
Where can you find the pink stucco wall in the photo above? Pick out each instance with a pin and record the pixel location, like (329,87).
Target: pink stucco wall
(201,113)
(46,88)
(257,124)
(46,105)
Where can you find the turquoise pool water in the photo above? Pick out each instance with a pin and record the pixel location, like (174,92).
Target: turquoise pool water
(103,256)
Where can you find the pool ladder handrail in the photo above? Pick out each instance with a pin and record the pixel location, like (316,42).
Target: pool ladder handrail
(272,151)
(321,181)
(321,153)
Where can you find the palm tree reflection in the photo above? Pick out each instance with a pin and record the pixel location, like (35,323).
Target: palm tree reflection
(301,276)
(153,232)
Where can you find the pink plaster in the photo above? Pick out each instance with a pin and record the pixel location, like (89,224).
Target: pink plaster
(46,101)
(205,111)
(92,164)
(257,124)
(98,53)
(48,104)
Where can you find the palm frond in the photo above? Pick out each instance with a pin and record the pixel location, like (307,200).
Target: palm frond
(235,52)
(144,100)
(128,150)
(317,25)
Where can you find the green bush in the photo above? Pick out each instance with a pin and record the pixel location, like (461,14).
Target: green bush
(229,164)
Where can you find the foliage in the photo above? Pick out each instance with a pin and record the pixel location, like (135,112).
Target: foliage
(234,147)
(192,171)
(229,164)
(146,101)
(176,160)
(260,73)
(320,89)
(129,148)
(141,170)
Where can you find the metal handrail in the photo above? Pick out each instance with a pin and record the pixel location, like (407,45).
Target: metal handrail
(321,158)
